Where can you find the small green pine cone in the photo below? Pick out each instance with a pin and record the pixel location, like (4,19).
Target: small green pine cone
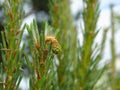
(56,47)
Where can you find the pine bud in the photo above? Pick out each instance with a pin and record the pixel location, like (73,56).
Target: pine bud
(56,47)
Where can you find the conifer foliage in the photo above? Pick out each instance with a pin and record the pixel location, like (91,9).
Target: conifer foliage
(56,59)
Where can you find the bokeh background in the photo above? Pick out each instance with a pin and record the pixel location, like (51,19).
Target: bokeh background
(39,9)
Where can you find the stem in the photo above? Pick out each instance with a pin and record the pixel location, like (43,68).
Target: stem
(112,50)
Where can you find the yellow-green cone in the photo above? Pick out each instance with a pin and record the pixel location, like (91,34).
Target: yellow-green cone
(56,47)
